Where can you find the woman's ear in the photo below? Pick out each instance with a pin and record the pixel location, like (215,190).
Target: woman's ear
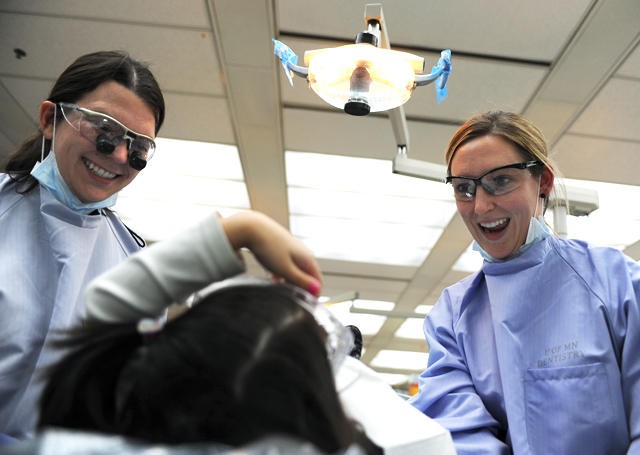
(47,111)
(546,181)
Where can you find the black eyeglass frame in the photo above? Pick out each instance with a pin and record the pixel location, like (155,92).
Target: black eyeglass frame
(478,181)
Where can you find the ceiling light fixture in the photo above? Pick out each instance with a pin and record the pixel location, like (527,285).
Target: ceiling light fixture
(366,76)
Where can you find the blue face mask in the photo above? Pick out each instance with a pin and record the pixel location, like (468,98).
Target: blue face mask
(47,173)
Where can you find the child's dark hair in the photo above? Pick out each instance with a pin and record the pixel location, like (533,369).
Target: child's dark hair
(246,362)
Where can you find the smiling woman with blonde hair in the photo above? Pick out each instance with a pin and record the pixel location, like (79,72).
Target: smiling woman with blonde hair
(534,353)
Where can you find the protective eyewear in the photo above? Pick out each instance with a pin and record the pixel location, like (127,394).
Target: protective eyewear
(106,133)
(498,181)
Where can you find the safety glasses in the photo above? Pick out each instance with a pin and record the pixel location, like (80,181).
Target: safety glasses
(106,133)
(498,181)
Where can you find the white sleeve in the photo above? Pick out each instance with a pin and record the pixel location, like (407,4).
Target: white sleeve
(145,284)
(388,420)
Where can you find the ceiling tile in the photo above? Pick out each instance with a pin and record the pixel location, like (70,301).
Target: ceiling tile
(185,62)
(197,118)
(186,13)
(590,158)
(613,113)
(464,25)
(631,67)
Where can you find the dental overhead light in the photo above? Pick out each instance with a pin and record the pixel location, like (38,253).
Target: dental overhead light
(370,77)
(366,76)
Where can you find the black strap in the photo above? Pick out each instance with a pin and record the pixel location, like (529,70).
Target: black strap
(139,240)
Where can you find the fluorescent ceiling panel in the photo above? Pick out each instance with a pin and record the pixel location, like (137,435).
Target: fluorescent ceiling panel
(469,261)
(368,324)
(411,328)
(183,183)
(616,223)
(401,360)
(343,206)
(378,305)
(359,175)
(423,309)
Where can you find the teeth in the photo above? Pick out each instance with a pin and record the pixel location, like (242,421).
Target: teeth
(99,171)
(494,224)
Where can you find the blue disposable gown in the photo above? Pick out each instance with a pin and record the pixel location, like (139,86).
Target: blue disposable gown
(48,254)
(539,354)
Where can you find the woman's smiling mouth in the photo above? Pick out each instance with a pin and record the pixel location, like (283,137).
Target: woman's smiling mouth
(100,172)
(494,226)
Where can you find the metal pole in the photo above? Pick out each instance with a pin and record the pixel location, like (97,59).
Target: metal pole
(560,220)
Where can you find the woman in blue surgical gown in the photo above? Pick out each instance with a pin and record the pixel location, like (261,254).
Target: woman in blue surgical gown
(57,229)
(537,353)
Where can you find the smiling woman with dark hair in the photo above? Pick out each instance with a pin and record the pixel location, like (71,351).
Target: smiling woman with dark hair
(58,231)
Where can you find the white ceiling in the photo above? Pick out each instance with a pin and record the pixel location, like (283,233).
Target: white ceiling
(571,66)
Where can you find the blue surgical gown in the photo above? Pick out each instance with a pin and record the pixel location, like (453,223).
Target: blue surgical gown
(539,354)
(48,254)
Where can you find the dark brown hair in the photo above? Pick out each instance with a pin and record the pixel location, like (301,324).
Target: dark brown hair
(244,363)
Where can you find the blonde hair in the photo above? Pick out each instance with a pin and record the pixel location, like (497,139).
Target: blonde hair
(515,128)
